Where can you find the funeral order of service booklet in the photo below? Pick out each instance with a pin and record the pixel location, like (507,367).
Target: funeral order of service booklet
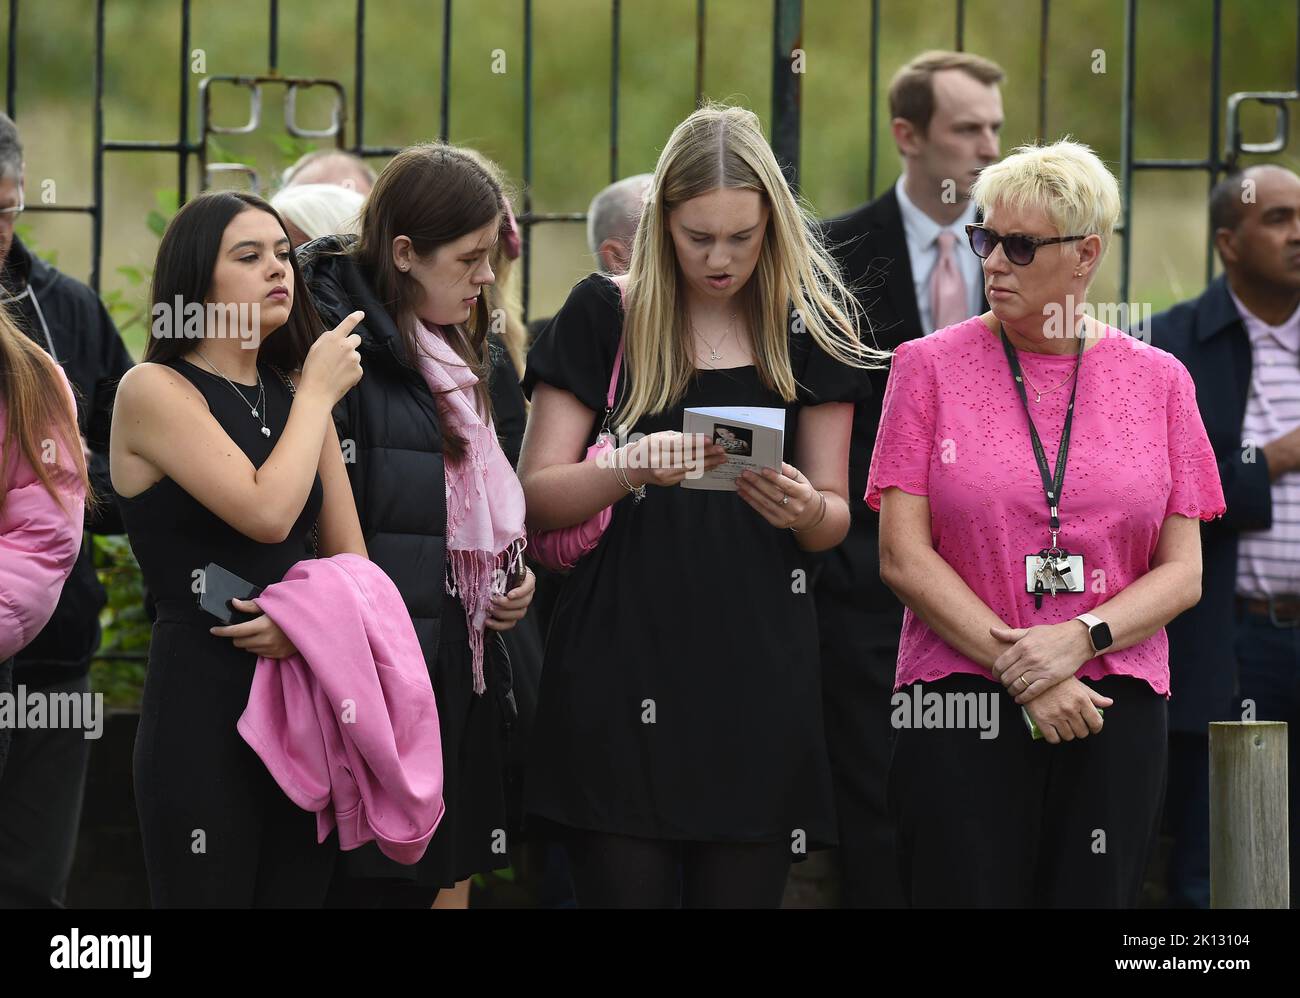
(753,438)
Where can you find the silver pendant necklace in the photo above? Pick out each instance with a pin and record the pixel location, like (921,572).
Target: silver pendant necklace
(255,410)
(713,351)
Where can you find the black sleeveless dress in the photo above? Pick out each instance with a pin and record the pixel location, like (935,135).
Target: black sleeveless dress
(217,829)
(681,690)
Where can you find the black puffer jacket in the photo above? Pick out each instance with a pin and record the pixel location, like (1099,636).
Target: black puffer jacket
(388,428)
(392,448)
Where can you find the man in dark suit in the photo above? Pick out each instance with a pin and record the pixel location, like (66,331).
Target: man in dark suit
(907,259)
(1241,342)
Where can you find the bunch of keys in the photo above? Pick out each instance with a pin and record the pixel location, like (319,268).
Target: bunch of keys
(1053,570)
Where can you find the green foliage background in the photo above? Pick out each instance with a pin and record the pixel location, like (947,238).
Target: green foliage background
(571,79)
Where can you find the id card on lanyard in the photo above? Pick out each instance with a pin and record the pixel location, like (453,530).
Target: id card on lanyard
(1053,569)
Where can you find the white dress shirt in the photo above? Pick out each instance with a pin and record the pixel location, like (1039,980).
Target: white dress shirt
(922,233)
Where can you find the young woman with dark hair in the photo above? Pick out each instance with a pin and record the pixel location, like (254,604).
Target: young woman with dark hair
(440,507)
(214,458)
(43,487)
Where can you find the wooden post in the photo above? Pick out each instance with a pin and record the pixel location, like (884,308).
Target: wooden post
(1248,815)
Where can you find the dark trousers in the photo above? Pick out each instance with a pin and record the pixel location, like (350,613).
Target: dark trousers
(41,789)
(1187,817)
(1269,660)
(1008,822)
(859,653)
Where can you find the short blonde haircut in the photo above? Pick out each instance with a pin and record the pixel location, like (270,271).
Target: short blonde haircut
(1066,181)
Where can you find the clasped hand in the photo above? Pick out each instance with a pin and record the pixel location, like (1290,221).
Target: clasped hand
(1038,669)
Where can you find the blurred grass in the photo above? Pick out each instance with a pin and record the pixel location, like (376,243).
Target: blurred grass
(571,70)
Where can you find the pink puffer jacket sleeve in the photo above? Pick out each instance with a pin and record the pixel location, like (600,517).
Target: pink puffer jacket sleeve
(40,538)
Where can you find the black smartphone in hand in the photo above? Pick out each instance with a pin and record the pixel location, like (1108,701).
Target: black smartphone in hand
(219,588)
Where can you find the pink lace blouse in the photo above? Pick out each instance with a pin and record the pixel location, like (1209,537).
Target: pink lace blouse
(953,429)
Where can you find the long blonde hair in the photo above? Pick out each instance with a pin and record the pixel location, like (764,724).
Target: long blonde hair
(723,147)
(37,413)
(504,294)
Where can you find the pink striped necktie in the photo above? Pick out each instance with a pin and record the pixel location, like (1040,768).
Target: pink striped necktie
(947,289)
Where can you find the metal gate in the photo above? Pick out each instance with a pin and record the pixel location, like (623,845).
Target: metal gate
(787,21)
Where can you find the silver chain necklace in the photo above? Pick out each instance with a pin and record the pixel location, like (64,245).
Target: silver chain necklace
(713,351)
(256,410)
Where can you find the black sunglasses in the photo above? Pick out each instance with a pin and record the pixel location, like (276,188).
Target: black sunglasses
(1019,249)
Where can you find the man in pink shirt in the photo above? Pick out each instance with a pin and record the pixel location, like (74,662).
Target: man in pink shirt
(1240,340)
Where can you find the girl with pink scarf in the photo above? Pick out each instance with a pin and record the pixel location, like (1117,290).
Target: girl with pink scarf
(440,506)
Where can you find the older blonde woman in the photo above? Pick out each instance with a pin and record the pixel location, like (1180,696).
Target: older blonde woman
(1039,477)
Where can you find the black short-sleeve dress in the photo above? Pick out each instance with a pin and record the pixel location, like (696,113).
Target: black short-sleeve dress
(681,694)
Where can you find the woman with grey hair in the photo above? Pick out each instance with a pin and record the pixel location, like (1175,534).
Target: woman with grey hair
(314,210)
(1040,477)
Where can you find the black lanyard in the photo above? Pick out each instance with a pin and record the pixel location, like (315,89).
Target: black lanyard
(1051,483)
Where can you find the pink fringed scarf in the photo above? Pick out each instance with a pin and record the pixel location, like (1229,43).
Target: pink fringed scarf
(485,503)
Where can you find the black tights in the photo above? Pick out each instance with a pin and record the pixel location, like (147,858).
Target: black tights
(620,871)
